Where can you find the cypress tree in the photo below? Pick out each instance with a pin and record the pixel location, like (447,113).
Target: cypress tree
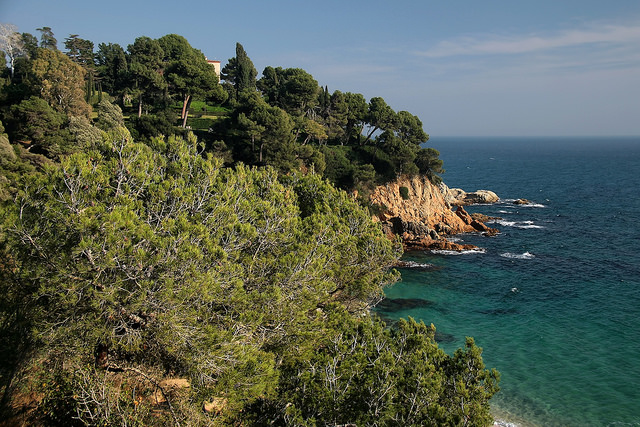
(246,72)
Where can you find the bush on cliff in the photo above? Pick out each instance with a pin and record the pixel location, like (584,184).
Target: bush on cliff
(404,193)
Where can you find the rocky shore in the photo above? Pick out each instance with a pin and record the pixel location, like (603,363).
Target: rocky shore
(423,214)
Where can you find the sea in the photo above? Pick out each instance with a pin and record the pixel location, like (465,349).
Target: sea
(554,298)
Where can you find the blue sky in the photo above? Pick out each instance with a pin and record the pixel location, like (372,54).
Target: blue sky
(465,67)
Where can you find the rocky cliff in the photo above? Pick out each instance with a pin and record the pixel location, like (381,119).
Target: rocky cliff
(417,211)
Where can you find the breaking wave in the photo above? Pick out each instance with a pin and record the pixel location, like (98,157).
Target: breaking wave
(526,205)
(526,255)
(417,265)
(467,252)
(518,224)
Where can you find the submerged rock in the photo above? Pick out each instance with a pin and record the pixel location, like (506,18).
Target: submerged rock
(427,243)
(442,337)
(390,305)
(499,311)
(484,218)
(522,202)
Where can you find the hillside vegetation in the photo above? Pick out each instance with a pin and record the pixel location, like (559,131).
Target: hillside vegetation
(152,274)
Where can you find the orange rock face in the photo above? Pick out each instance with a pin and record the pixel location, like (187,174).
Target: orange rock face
(422,217)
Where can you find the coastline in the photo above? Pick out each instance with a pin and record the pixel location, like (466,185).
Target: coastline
(504,418)
(578,284)
(412,219)
(422,213)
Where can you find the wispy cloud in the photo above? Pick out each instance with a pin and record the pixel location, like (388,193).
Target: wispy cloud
(488,44)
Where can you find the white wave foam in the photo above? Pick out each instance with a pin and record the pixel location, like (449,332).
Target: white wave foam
(526,255)
(413,264)
(521,224)
(529,226)
(508,203)
(467,252)
(503,423)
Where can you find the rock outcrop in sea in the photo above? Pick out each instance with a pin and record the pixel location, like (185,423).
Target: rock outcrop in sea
(421,213)
(459,197)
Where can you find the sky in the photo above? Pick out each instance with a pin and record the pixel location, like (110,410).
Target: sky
(464,67)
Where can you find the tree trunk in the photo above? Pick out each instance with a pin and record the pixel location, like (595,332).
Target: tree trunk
(375,128)
(185,110)
(140,107)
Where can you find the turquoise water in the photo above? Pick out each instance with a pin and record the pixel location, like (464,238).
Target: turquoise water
(554,299)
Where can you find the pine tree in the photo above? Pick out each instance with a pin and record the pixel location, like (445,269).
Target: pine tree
(47,40)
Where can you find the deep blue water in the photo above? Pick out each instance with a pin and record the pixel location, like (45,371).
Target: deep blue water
(554,299)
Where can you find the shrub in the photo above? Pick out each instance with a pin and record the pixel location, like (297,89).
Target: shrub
(404,193)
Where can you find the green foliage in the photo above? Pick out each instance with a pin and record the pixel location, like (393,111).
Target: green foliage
(188,74)
(8,158)
(109,115)
(409,129)
(470,385)
(30,43)
(204,108)
(239,74)
(84,133)
(15,162)
(58,406)
(147,126)
(264,134)
(80,51)
(7,153)
(376,209)
(60,82)
(47,39)
(125,262)
(144,65)
(380,139)
(404,193)
(363,373)
(312,158)
(200,123)
(292,89)
(429,164)
(45,129)
(379,117)
(339,169)
(171,263)
(112,66)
